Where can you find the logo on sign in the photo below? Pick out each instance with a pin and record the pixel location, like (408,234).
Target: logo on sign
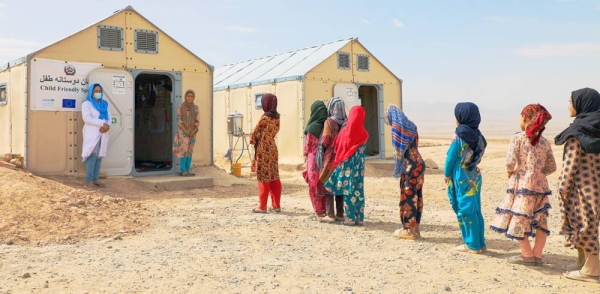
(114,121)
(69,103)
(48,102)
(70,70)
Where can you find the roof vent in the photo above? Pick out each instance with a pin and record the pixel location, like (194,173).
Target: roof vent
(146,41)
(343,60)
(362,62)
(110,38)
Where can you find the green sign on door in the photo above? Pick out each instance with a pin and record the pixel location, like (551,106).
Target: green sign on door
(114,121)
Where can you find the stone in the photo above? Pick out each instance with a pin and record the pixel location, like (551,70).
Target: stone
(26,275)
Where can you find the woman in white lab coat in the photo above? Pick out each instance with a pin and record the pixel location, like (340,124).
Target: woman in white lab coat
(95,133)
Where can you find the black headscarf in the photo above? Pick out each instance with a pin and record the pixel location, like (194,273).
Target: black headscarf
(318,116)
(468,117)
(586,125)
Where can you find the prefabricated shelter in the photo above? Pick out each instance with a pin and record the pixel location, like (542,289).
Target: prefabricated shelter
(343,68)
(143,72)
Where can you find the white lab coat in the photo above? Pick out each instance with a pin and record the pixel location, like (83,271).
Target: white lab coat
(91,130)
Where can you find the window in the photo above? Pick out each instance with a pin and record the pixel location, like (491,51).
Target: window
(257,100)
(343,60)
(3,94)
(146,41)
(362,62)
(110,38)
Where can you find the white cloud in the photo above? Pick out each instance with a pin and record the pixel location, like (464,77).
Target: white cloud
(365,21)
(232,7)
(11,49)
(499,19)
(397,23)
(17,43)
(243,29)
(560,50)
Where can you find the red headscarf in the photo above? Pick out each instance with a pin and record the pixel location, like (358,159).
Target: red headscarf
(352,136)
(269,105)
(538,117)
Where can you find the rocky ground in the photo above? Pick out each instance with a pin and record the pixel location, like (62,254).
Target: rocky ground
(60,237)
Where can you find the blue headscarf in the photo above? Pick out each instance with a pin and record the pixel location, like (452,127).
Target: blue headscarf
(100,105)
(404,132)
(468,117)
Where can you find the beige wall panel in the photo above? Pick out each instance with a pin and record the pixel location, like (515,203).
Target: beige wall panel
(18,91)
(201,83)
(5,115)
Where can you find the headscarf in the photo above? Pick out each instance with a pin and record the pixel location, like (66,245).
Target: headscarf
(269,105)
(404,133)
(586,125)
(538,117)
(318,116)
(187,112)
(100,105)
(336,109)
(468,117)
(352,136)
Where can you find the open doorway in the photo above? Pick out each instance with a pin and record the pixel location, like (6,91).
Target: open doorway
(153,123)
(369,100)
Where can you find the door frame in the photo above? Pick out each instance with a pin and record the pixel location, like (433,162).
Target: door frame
(380,124)
(176,78)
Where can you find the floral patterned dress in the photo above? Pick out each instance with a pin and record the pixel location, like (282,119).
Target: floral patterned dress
(348,180)
(411,187)
(266,163)
(183,144)
(579,189)
(525,207)
(311,174)
(330,131)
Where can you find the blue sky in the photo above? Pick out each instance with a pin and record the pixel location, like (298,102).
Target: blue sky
(499,54)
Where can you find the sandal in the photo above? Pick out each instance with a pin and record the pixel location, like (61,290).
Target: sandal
(98,184)
(359,223)
(520,259)
(276,209)
(404,234)
(578,276)
(539,261)
(339,218)
(349,224)
(464,248)
(256,210)
(328,220)
(321,215)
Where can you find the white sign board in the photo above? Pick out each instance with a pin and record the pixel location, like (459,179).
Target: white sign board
(58,85)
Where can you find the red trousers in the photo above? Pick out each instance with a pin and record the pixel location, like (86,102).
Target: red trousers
(266,188)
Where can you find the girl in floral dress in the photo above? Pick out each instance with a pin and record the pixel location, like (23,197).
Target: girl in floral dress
(336,109)
(578,183)
(314,127)
(266,163)
(523,212)
(464,178)
(187,128)
(349,175)
(410,168)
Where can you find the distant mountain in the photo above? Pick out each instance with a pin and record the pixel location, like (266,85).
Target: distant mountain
(498,120)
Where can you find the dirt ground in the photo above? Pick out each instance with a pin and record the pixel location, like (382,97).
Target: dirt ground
(60,237)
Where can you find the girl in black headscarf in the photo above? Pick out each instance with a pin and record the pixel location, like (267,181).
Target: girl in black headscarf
(578,184)
(463,177)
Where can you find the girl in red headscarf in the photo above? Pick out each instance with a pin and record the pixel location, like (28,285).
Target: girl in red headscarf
(349,175)
(523,212)
(266,163)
